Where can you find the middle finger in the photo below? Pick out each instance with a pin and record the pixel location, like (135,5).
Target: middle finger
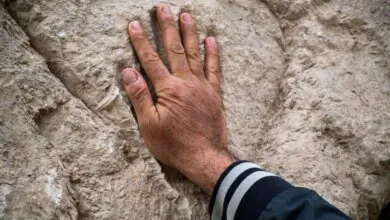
(172,42)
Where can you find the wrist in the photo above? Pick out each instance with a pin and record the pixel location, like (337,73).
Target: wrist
(206,168)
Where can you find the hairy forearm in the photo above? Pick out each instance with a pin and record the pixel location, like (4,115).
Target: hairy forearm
(207,166)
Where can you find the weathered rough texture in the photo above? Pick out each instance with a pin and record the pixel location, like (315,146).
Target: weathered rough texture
(306,91)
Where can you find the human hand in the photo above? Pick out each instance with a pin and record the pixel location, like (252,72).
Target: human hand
(185,128)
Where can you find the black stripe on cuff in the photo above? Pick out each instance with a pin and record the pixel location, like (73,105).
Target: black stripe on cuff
(259,195)
(234,186)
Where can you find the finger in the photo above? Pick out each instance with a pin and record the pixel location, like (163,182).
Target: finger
(191,44)
(172,43)
(138,93)
(212,65)
(150,61)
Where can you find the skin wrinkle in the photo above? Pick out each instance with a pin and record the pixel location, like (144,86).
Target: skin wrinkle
(150,57)
(176,48)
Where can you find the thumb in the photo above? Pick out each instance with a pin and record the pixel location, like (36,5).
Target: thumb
(138,92)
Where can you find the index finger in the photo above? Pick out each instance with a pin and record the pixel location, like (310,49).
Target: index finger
(150,61)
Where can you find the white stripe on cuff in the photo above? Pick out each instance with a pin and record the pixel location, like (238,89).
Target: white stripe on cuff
(245,185)
(225,185)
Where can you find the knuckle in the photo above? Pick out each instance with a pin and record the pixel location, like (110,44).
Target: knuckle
(175,91)
(149,57)
(139,36)
(168,24)
(176,48)
(192,30)
(213,69)
(214,52)
(139,91)
(194,55)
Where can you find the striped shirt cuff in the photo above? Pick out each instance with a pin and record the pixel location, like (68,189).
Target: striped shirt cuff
(243,191)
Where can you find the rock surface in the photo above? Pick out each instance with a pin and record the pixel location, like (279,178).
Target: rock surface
(306,92)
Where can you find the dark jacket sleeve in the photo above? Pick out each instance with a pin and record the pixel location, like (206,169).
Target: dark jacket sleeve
(245,191)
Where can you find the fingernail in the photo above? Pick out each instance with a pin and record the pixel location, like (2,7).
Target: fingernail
(135,26)
(187,18)
(166,9)
(129,76)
